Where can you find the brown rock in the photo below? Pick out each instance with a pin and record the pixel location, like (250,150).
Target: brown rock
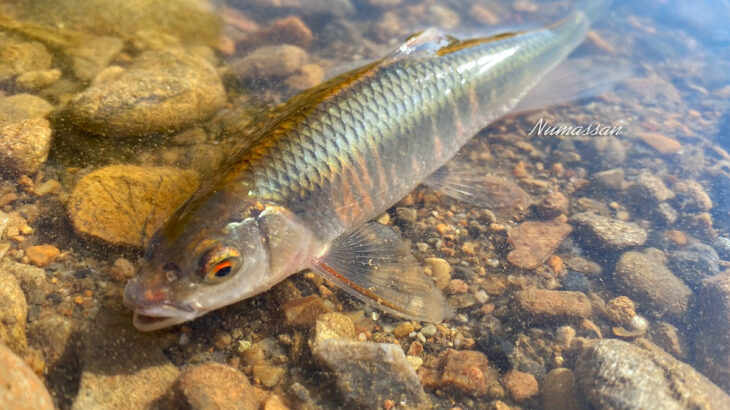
(553,304)
(559,390)
(211,386)
(534,242)
(521,386)
(13,313)
(271,62)
(289,30)
(467,371)
(20,388)
(303,312)
(440,270)
(403,329)
(553,205)
(661,143)
(24,145)
(620,310)
(125,204)
(691,196)
(457,286)
(712,340)
(274,403)
(42,255)
(269,376)
(609,232)
(331,326)
(308,76)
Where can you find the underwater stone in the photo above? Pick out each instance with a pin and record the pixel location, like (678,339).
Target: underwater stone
(13,314)
(271,62)
(608,232)
(694,262)
(712,340)
(534,242)
(553,304)
(211,386)
(20,388)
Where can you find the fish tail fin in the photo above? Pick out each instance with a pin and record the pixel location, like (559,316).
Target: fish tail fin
(593,9)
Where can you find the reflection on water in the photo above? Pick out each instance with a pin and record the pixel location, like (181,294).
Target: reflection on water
(604,285)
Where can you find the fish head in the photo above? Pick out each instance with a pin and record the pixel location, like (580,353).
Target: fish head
(209,254)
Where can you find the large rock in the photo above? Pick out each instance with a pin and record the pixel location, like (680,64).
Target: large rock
(25,136)
(161,92)
(211,386)
(553,304)
(368,373)
(20,388)
(618,375)
(125,204)
(694,262)
(534,242)
(712,341)
(645,278)
(13,313)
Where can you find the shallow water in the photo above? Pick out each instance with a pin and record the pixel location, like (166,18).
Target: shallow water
(648,210)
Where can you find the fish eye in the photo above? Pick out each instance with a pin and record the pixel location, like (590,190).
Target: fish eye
(220,262)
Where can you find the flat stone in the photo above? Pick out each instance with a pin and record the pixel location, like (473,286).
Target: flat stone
(661,143)
(609,232)
(20,388)
(92,56)
(645,278)
(553,205)
(126,204)
(13,313)
(212,386)
(25,136)
(367,374)
(42,255)
(558,390)
(648,187)
(615,374)
(520,385)
(534,242)
(691,196)
(304,311)
(271,62)
(161,92)
(466,371)
(553,304)
(712,339)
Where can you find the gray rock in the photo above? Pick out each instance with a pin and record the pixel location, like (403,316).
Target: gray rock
(665,214)
(691,196)
(712,340)
(20,388)
(13,313)
(694,262)
(558,390)
(161,92)
(18,58)
(645,278)
(722,246)
(618,375)
(648,187)
(367,373)
(608,151)
(32,280)
(608,232)
(611,178)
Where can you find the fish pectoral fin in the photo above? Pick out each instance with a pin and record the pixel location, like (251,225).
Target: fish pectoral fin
(374,265)
(473,185)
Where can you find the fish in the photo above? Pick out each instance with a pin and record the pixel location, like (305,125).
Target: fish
(303,191)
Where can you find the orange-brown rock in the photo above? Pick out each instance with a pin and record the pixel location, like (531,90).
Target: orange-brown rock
(550,304)
(42,255)
(303,312)
(661,143)
(467,371)
(20,388)
(520,385)
(534,242)
(215,386)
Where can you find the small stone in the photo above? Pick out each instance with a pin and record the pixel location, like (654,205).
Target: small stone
(440,270)
(665,214)
(620,310)
(564,335)
(20,388)
(608,232)
(24,145)
(481,296)
(331,326)
(122,269)
(269,376)
(553,205)
(289,30)
(534,242)
(611,178)
(692,197)
(406,215)
(42,255)
(559,390)
(677,237)
(55,335)
(18,58)
(521,386)
(457,286)
(274,403)
(669,338)
(466,371)
(271,62)
(33,280)
(582,265)
(661,143)
(403,329)
(576,282)
(36,80)
(553,304)
(649,187)
(608,151)
(13,314)
(694,263)
(647,280)
(367,373)
(212,386)
(722,246)
(221,339)
(303,312)
(308,76)
(125,204)
(712,338)
(429,330)
(92,56)
(415,361)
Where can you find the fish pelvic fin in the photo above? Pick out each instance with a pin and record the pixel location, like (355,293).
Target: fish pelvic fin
(374,265)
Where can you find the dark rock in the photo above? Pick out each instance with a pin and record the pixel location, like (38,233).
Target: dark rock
(558,390)
(576,282)
(712,341)
(211,386)
(694,262)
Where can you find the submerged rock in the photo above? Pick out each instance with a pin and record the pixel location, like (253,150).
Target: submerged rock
(534,242)
(25,136)
(553,304)
(212,386)
(712,340)
(694,262)
(608,232)
(467,371)
(559,391)
(161,92)
(616,374)
(271,62)
(367,374)
(125,204)
(20,388)
(18,58)
(13,313)
(91,57)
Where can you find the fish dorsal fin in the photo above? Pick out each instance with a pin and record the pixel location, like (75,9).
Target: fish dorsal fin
(428,41)
(374,265)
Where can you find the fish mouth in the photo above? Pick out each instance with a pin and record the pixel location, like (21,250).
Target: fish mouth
(155,314)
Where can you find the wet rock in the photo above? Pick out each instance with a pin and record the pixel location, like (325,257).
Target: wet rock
(712,340)
(331,326)
(620,310)
(661,143)
(559,390)
(54,335)
(25,136)
(289,30)
(42,255)
(125,204)
(583,265)
(403,329)
(36,80)
(91,57)
(367,374)
(553,304)
(18,58)
(648,187)
(440,271)
(271,62)
(576,282)
(691,196)
(32,280)
(308,76)
(611,178)
(466,371)
(212,386)
(553,205)
(534,242)
(303,312)
(645,278)
(694,262)
(616,374)
(20,388)
(161,92)
(722,246)
(268,376)
(608,151)
(13,314)
(665,214)
(668,337)
(608,232)
(122,269)
(520,385)
(122,367)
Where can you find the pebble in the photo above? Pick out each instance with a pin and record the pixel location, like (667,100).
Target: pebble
(712,338)
(304,311)
(92,56)
(269,376)
(307,77)
(534,242)
(661,143)
(669,338)
(211,386)
(552,205)
(722,246)
(33,280)
(608,232)
(126,204)
(13,313)
(221,339)
(25,136)
(615,374)
(649,187)
(161,92)
(122,269)
(466,371)
(665,214)
(564,335)
(691,196)
(18,58)
(620,310)
(553,304)
(520,385)
(271,62)
(582,265)
(39,79)
(609,151)
(289,30)
(440,271)
(20,388)
(403,329)
(645,278)
(559,390)
(406,215)
(694,263)
(331,326)
(576,282)
(42,255)
(611,179)
(367,374)
(429,330)
(457,286)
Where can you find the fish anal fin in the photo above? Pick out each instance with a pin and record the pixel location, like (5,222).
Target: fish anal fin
(374,265)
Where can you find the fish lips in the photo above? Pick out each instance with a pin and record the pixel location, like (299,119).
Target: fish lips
(154,313)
